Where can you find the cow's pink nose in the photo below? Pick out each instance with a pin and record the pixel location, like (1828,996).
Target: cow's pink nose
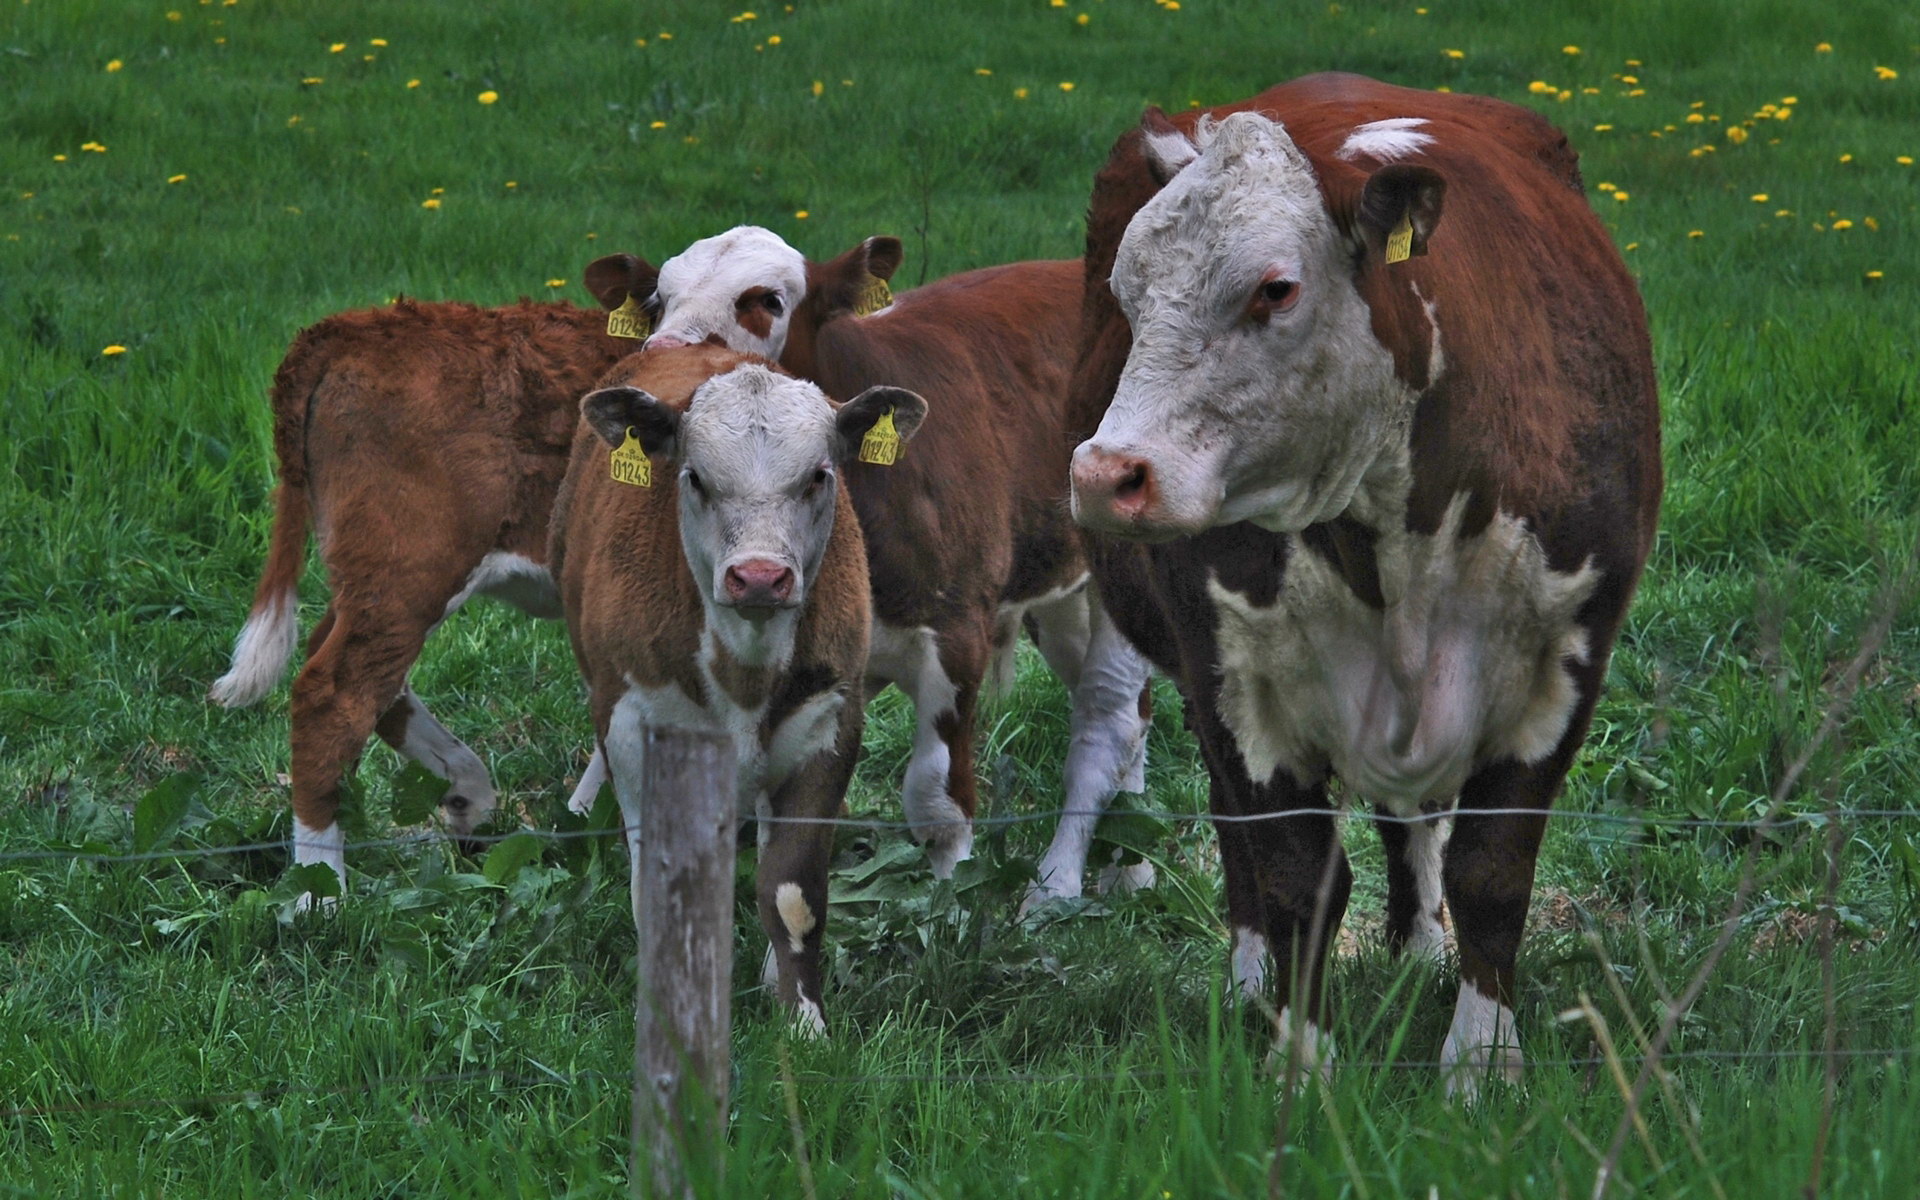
(759,583)
(664,341)
(1117,485)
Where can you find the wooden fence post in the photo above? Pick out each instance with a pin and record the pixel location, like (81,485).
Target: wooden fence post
(683,1002)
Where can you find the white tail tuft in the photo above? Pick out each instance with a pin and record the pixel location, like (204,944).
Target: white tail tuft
(260,653)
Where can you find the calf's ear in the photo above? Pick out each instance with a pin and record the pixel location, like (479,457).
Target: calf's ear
(1167,149)
(840,282)
(612,411)
(858,415)
(1397,193)
(613,278)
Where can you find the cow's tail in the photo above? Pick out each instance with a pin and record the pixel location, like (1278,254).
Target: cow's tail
(266,641)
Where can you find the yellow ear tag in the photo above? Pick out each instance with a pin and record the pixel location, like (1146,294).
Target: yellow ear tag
(629,321)
(875,296)
(630,463)
(1400,241)
(881,446)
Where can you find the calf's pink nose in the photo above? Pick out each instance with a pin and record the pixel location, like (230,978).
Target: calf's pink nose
(759,583)
(663,341)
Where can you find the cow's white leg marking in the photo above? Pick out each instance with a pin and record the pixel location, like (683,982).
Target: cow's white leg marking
(1316,1046)
(434,747)
(626,751)
(795,914)
(808,1018)
(1426,846)
(1107,745)
(910,659)
(591,780)
(1249,964)
(260,653)
(327,846)
(1480,1041)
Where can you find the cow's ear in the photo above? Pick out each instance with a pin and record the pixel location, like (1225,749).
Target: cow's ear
(1167,149)
(613,278)
(612,411)
(1396,196)
(859,415)
(841,283)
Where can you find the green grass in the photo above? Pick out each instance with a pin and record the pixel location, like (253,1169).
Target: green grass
(133,521)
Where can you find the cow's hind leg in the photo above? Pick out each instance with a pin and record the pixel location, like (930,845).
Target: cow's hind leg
(942,674)
(1415,909)
(792,878)
(410,728)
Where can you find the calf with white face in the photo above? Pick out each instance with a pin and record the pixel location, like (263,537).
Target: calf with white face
(713,576)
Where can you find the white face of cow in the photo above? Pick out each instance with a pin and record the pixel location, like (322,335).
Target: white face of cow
(741,285)
(758,456)
(1255,389)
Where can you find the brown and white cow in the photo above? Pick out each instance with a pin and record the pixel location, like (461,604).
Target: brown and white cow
(424,443)
(968,537)
(726,590)
(1375,488)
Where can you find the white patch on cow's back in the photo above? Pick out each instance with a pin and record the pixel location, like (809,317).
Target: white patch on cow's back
(1466,663)
(698,287)
(1385,140)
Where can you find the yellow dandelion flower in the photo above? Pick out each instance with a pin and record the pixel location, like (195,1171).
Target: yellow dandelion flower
(1736,135)
(176,179)
(800,214)
(110,351)
(1654,133)
(1564,96)
(1540,87)
(512,183)
(413,83)
(1602,128)
(846,83)
(1870,223)
(1454,53)
(983,70)
(1785,114)
(1905,160)
(1789,100)
(433,202)
(336,48)
(746,16)
(114,65)
(366,58)
(1020,93)
(1443,88)
(556,283)
(818,87)
(1782,212)
(1696,233)
(1082,20)
(639,41)
(1843,223)
(1876,274)
(773,39)
(1174,6)
(438,192)
(656,125)
(488,97)
(1634,62)
(1632,246)
(1758,197)
(1621,196)
(293,120)
(377,42)
(1629,80)
(93,147)
(1885,73)
(664,36)
(1569,49)
(1846,158)
(1823,48)
(1066,86)
(1694,118)
(1605,187)
(1589,91)
(313,81)
(1698,104)
(173,15)
(1057,3)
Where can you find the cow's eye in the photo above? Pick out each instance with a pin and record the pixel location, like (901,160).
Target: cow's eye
(773,304)
(693,482)
(818,481)
(1277,291)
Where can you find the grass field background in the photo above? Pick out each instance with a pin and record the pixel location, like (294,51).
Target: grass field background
(193,185)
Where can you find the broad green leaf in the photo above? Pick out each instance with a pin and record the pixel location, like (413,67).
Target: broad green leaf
(157,816)
(416,794)
(509,856)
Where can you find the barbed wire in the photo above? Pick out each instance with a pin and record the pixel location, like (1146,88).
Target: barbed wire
(546,1076)
(996,821)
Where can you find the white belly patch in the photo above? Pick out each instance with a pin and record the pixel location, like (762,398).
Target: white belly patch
(1465,664)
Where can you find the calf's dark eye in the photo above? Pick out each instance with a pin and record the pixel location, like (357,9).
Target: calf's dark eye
(1275,290)
(774,306)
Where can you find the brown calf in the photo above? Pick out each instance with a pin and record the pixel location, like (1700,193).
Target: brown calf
(1375,489)
(424,443)
(724,588)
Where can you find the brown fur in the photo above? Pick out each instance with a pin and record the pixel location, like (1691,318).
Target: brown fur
(1546,410)
(634,614)
(417,438)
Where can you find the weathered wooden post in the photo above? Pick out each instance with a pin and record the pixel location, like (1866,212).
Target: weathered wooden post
(683,1004)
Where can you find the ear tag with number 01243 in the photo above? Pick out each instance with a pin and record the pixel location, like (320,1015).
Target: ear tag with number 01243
(629,321)
(875,296)
(630,463)
(881,446)
(1400,241)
